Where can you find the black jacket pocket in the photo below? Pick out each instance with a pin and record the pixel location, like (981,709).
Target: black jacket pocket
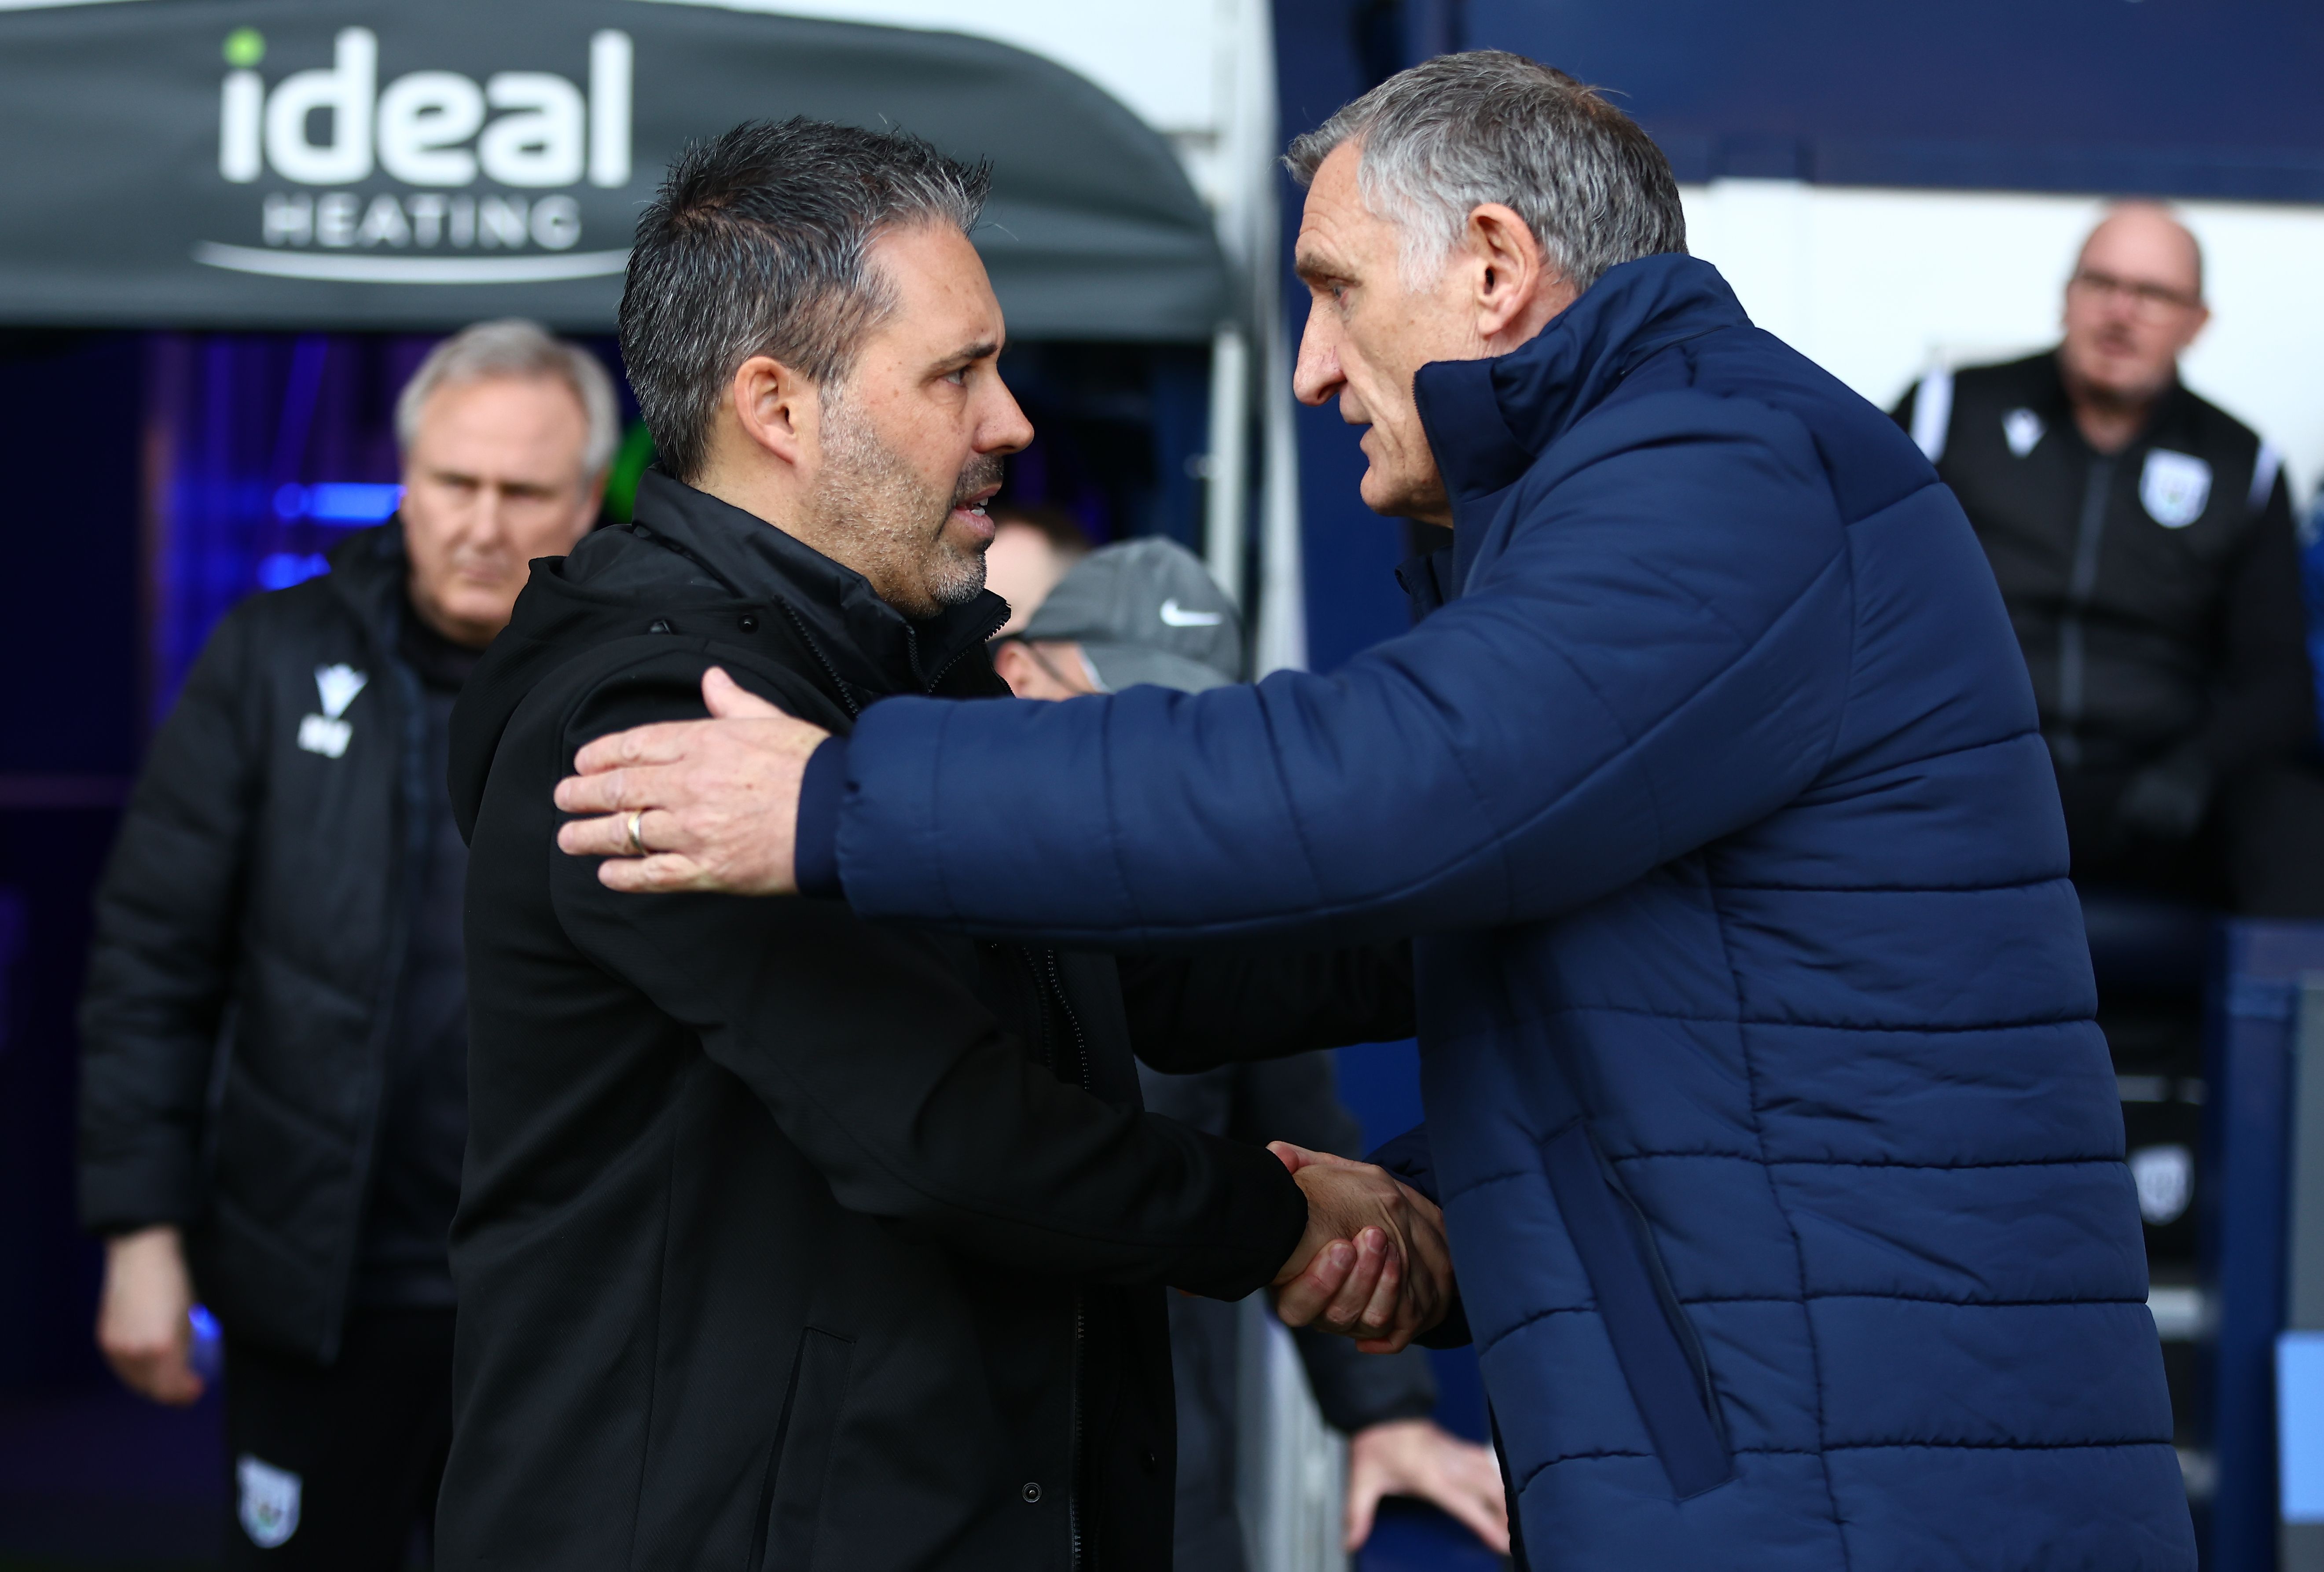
(791,1499)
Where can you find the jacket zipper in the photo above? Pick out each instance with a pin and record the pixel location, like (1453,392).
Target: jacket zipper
(1064,1005)
(409,817)
(1074,1460)
(822,660)
(957,655)
(1056,981)
(2098,495)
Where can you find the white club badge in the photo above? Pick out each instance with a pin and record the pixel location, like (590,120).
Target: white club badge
(269,1509)
(2021,429)
(328,733)
(2175,487)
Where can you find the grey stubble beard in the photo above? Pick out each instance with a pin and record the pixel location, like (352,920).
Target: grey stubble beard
(871,493)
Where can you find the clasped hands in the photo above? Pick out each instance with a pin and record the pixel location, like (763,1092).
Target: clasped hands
(1373,1264)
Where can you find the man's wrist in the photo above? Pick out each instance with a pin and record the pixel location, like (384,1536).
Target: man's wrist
(815,851)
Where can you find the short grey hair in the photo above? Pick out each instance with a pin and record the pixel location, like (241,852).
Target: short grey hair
(514,348)
(758,243)
(1439,139)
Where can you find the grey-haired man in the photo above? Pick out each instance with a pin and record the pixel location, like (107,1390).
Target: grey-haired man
(275,1031)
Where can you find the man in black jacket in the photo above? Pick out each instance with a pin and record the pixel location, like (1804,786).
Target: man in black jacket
(2143,539)
(275,1031)
(787,1241)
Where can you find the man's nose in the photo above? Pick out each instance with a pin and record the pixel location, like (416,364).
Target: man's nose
(1004,427)
(1317,376)
(484,520)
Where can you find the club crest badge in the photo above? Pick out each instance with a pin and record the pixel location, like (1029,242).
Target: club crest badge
(2021,429)
(270,1502)
(328,733)
(2175,487)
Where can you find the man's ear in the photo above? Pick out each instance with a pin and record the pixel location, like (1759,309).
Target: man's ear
(1013,666)
(1514,290)
(778,409)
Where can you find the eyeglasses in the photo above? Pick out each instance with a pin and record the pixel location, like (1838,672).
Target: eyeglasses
(2147,300)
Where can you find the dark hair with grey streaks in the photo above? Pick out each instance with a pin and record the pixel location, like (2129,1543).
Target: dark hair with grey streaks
(1437,141)
(755,244)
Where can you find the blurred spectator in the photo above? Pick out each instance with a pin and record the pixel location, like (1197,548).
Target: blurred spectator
(1147,611)
(1032,548)
(2142,542)
(274,1087)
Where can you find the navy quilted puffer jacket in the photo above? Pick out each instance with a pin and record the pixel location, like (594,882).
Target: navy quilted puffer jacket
(1782,1159)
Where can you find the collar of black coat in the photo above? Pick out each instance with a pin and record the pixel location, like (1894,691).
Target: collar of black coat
(692,566)
(874,649)
(1489,420)
(369,573)
(2171,421)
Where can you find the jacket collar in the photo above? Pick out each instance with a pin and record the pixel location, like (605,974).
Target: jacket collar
(2171,421)
(370,572)
(873,649)
(1488,420)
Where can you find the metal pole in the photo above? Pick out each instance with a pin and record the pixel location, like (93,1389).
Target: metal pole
(1227,479)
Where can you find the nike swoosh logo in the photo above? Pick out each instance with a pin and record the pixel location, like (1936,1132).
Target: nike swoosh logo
(1175,617)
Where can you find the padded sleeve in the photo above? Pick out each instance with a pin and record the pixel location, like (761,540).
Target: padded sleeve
(161,963)
(1658,654)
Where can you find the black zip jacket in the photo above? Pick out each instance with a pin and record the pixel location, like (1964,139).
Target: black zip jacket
(2155,592)
(786,1240)
(251,933)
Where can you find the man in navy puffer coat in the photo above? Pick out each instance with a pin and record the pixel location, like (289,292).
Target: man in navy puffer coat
(1780,1155)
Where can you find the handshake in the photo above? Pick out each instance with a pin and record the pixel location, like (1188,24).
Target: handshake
(1373,1263)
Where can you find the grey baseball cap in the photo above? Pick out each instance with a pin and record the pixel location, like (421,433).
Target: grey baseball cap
(1144,611)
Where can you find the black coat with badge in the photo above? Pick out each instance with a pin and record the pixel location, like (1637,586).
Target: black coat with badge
(250,932)
(2155,592)
(787,1240)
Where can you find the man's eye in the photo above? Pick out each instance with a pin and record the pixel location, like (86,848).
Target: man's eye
(957,378)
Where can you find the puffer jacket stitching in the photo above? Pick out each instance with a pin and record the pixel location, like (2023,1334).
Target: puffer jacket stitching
(2015,1444)
(1832,784)
(2033,883)
(1810,1024)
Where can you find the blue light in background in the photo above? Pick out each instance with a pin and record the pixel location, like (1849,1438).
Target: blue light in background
(285,569)
(337,501)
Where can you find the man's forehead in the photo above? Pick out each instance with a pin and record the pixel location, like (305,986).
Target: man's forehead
(2145,242)
(493,410)
(945,295)
(1336,228)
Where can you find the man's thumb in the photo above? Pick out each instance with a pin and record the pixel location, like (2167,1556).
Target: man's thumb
(1294,1158)
(729,700)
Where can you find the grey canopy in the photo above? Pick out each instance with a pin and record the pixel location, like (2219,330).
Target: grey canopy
(339,163)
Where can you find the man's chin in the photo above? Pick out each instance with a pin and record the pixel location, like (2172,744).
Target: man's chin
(1401,499)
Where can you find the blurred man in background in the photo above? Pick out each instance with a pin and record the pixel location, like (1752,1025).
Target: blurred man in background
(1147,611)
(2142,539)
(274,1091)
(1032,548)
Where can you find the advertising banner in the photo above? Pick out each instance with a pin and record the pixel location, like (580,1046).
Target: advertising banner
(353,164)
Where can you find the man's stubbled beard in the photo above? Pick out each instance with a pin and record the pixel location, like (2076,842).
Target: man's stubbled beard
(869,492)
